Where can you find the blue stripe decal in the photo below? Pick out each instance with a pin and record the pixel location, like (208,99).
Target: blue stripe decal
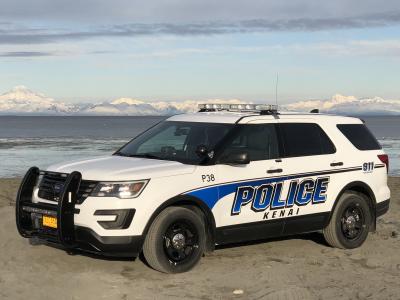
(211,195)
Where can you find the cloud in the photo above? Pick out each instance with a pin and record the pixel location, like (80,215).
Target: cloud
(25,54)
(20,35)
(184,11)
(385,48)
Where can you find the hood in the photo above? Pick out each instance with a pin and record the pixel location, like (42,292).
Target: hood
(119,168)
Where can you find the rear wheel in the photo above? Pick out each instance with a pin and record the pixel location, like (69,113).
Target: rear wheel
(350,222)
(175,241)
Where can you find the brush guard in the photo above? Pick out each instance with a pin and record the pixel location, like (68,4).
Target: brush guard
(64,210)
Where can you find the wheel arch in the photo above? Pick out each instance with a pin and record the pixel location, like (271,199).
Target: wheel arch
(362,188)
(196,205)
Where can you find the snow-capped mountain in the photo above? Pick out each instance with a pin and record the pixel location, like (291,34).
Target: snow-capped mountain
(349,105)
(133,107)
(21,100)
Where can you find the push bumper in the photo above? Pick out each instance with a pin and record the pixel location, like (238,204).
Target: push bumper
(29,221)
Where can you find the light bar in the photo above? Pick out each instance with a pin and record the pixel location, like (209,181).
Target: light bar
(239,107)
(214,106)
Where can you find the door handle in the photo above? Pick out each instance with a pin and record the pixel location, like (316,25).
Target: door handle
(274,171)
(336,164)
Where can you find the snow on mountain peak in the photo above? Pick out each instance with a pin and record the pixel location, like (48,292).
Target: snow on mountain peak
(126,101)
(21,100)
(21,92)
(133,107)
(19,88)
(346,105)
(338,98)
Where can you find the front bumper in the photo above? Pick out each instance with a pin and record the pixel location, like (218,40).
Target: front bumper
(67,234)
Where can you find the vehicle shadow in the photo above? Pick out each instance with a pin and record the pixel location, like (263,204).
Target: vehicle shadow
(315,237)
(72,252)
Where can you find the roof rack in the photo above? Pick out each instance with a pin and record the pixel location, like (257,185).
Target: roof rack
(263,109)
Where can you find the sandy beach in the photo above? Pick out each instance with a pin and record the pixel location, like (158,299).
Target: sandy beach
(299,267)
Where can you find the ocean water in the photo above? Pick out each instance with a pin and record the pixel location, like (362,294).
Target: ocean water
(42,141)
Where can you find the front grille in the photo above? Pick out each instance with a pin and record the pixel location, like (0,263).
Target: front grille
(51,187)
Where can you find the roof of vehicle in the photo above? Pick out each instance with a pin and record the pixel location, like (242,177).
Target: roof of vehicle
(247,117)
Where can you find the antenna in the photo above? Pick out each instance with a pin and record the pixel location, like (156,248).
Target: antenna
(276,89)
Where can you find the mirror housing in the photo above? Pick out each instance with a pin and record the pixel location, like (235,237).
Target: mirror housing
(201,150)
(239,158)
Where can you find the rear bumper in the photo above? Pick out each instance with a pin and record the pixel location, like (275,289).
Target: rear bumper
(29,222)
(382,208)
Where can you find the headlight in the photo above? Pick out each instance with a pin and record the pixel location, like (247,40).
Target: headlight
(123,190)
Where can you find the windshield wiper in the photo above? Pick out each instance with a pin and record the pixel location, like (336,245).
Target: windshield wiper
(119,153)
(145,155)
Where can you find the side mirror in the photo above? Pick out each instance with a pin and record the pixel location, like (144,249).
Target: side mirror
(240,158)
(201,150)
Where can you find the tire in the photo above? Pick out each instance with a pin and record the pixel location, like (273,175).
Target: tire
(350,222)
(176,240)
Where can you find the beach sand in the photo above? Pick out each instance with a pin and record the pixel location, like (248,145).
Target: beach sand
(298,267)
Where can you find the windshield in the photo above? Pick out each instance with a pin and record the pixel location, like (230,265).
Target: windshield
(177,141)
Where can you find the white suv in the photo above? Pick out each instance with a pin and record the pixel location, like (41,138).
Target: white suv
(229,173)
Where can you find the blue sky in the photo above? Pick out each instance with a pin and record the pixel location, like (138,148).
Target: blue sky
(176,50)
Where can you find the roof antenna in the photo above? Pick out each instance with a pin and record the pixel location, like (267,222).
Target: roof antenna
(276,89)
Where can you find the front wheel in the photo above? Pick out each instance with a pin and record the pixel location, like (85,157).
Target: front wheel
(350,222)
(175,241)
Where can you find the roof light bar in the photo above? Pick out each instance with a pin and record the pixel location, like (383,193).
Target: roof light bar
(239,107)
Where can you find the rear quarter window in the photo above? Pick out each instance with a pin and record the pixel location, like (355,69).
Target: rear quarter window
(360,136)
(305,139)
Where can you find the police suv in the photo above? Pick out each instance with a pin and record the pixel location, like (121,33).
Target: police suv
(226,174)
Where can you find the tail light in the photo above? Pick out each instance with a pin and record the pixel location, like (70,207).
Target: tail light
(384,159)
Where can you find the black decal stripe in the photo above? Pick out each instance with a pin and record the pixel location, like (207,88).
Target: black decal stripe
(271,228)
(298,175)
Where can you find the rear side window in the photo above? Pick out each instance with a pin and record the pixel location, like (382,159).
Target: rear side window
(360,136)
(305,139)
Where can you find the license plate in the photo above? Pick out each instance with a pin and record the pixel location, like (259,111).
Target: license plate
(50,222)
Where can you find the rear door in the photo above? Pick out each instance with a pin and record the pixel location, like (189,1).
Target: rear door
(311,164)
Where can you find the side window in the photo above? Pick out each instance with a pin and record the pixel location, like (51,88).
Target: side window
(359,136)
(305,139)
(258,140)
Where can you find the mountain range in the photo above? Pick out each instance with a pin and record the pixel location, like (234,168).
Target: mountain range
(22,101)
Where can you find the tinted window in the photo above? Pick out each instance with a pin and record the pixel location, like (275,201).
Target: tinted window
(258,140)
(359,136)
(303,139)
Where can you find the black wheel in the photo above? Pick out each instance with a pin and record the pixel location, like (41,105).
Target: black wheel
(175,241)
(350,222)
